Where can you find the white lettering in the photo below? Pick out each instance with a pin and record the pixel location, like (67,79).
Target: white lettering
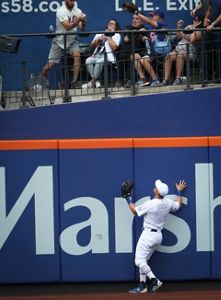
(98,223)
(16,6)
(40,186)
(40,189)
(148,5)
(29,6)
(117,6)
(179,228)
(43,6)
(183,5)
(171,5)
(213,204)
(5,7)
(54,6)
(203,179)
(205,206)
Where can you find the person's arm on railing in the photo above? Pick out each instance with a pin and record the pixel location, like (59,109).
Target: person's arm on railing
(207,20)
(215,23)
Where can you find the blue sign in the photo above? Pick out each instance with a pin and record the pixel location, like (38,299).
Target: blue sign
(65,209)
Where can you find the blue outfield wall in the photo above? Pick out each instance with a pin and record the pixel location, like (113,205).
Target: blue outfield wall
(185,113)
(62,217)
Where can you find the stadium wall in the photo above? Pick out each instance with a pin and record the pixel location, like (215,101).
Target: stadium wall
(62,217)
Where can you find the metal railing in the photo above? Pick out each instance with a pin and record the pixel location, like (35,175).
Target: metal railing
(199,71)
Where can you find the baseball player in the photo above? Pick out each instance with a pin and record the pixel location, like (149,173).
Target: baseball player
(154,213)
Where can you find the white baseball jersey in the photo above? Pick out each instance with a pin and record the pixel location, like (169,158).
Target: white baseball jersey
(63,13)
(156,211)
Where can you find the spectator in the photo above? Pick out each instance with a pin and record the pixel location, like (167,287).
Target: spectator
(156,20)
(212,40)
(124,55)
(179,54)
(102,42)
(142,64)
(68,18)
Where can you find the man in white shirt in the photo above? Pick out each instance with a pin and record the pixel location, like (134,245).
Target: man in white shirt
(68,18)
(154,213)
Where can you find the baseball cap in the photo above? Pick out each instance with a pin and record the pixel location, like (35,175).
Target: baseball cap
(161,187)
(157,13)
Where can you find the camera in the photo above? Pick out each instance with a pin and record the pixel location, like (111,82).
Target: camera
(109,33)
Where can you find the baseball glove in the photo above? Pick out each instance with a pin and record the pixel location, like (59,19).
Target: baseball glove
(126,188)
(129,7)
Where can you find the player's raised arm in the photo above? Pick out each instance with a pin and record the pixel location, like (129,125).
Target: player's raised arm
(126,189)
(180,187)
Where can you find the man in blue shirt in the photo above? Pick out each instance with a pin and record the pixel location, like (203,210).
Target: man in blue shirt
(156,21)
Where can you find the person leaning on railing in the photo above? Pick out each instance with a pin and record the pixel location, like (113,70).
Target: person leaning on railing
(187,37)
(125,51)
(107,42)
(212,40)
(156,21)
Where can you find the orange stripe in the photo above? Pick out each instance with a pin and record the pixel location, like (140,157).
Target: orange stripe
(29,145)
(96,143)
(215,141)
(171,142)
(111,143)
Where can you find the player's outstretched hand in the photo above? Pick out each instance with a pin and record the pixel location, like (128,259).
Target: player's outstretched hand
(181,185)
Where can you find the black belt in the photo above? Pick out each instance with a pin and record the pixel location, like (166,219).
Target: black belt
(151,229)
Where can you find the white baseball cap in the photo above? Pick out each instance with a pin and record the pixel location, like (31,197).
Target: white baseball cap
(161,187)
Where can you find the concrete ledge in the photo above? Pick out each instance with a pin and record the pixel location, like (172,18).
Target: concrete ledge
(14,98)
